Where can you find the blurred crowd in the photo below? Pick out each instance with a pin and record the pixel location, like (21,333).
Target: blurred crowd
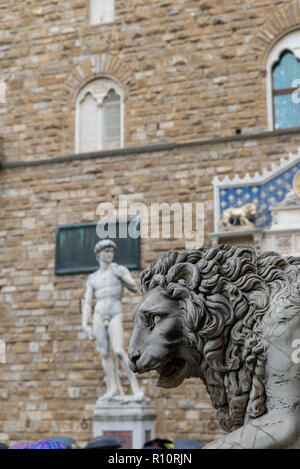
(111,442)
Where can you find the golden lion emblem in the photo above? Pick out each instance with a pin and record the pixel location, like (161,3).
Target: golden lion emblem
(239,217)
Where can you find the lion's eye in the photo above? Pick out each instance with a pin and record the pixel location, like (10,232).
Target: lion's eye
(152,319)
(156,319)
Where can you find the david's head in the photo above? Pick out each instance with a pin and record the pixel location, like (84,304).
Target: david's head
(104,251)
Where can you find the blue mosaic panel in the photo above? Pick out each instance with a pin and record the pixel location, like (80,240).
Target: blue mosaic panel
(264,196)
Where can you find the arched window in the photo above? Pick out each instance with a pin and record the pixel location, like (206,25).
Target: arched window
(99,116)
(102,11)
(283,81)
(286,79)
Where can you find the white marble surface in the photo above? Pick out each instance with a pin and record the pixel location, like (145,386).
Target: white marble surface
(107,285)
(121,415)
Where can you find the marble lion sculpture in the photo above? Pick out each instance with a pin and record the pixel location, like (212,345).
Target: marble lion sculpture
(230,318)
(238,214)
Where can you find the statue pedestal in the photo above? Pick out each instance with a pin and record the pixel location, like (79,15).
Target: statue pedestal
(133,421)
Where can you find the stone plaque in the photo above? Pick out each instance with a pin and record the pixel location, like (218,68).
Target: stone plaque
(75,249)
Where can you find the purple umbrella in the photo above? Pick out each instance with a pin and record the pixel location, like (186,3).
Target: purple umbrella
(47,444)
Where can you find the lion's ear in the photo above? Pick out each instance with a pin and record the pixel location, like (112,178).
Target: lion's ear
(185,274)
(157,280)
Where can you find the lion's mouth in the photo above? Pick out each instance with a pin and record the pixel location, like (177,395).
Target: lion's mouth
(172,373)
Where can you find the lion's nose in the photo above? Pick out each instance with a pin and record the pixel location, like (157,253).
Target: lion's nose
(134,356)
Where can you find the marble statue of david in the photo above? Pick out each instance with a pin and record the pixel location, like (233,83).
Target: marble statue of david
(107,285)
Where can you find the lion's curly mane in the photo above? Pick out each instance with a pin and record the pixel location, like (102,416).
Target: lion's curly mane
(224,294)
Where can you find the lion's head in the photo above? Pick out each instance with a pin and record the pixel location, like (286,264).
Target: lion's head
(250,210)
(158,339)
(201,316)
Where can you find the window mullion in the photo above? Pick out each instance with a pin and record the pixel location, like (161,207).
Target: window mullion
(101,136)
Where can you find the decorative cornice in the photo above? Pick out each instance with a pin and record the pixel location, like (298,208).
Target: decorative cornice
(259,178)
(167,146)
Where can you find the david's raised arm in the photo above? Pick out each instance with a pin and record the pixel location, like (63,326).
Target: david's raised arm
(125,277)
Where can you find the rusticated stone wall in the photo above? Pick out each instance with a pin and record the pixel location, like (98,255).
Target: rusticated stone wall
(189,69)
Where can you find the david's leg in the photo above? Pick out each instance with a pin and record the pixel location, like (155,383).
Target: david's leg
(116,339)
(107,359)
